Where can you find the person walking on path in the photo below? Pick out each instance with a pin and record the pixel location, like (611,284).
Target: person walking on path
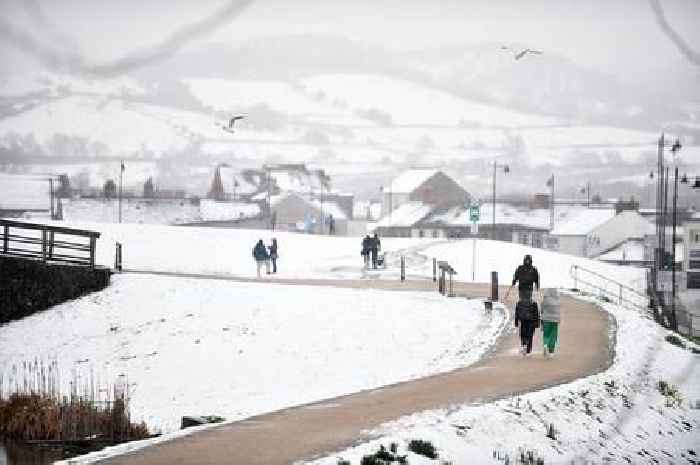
(526,276)
(550,320)
(528,318)
(375,247)
(273,254)
(261,257)
(331,224)
(365,250)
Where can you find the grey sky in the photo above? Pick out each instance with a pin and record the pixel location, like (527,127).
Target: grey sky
(620,36)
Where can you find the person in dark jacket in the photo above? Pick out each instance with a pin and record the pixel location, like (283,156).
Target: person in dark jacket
(526,276)
(273,254)
(365,249)
(527,316)
(375,247)
(261,257)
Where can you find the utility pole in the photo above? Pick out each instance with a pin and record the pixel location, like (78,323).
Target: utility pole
(674,324)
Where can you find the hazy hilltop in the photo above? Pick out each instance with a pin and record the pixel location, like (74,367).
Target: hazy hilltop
(352,108)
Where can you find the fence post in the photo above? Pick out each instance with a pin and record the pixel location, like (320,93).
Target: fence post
(575,277)
(51,244)
(93,243)
(403,268)
(6,239)
(118,257)
(434,269)
(494,286)
(43,244)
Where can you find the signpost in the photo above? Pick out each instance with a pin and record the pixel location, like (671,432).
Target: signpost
(474,215)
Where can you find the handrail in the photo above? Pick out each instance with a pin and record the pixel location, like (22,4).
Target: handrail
(620,296)
(47,227)
(45,247)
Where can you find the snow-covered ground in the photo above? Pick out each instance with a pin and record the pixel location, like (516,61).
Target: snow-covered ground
(202,347)
(229,252)
(617,416)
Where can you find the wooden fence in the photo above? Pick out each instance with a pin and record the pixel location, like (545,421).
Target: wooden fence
(48,243)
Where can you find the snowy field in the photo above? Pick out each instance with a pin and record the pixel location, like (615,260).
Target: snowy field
(229,252)
(617,416)
(209,347)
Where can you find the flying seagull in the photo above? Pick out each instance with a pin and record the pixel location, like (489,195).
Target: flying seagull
(520,54)
(231,123)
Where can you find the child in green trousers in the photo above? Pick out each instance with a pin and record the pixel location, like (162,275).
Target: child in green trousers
(551,318)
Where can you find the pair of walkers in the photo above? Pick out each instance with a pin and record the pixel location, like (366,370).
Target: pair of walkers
(370,250)
(527,313)
(264,255)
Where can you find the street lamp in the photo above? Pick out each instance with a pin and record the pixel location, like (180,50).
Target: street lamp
(121,173)
(506,170)
(674,150)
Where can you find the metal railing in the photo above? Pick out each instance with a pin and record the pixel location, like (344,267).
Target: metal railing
(48,243)
(614,291)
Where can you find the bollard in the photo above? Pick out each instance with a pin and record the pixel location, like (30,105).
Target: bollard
(118,257)
(494,286)
(434,269)
(403,268)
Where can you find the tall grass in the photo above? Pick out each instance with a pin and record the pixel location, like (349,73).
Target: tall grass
(34,407)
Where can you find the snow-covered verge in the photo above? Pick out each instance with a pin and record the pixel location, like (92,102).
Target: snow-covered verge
(617,416)
(200,347)
(229,252)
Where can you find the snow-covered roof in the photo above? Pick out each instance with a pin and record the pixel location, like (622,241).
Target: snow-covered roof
(407,214)
(410,180)
(291,179)
(212,210)
(635,223)
(24,192)
(537,218)
(232,180)
(583,222)
(631,251)
(327,207)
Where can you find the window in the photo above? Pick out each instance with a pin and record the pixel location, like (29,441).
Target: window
(523,238)
(693,280)
(421,233)
(436,233)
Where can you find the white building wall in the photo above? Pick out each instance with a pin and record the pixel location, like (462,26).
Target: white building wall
(626,225)
(391,201)
(572,245)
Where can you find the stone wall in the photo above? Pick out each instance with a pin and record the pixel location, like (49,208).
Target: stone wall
(28,286)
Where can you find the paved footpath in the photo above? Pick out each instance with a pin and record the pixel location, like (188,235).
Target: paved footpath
(307,431)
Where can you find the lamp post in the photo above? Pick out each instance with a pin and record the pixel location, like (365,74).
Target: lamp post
(121,173)
(506,170)
(550,183)
(674,149)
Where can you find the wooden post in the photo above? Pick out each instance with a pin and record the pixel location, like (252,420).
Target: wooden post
(6,239)
(93,244)
(403,268)
(434,269)
(51,234)
(43,245)
(494,286)
(118,257)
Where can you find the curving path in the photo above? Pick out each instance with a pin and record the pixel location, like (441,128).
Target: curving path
(307,431)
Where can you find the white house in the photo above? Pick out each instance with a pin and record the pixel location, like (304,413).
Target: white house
(571,236)
(689,295)
(295,212)
(626,227)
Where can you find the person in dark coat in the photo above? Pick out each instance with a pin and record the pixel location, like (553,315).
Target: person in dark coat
(273,255)
(526,276)
(527,316)
(375,247)
(365,249)
(331,225)
(261,257)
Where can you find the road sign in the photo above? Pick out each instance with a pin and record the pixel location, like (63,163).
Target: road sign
(474,213)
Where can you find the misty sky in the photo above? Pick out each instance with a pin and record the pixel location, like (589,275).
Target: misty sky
(620,37)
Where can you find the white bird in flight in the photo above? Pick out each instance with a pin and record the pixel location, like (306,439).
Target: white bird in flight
(520,54)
